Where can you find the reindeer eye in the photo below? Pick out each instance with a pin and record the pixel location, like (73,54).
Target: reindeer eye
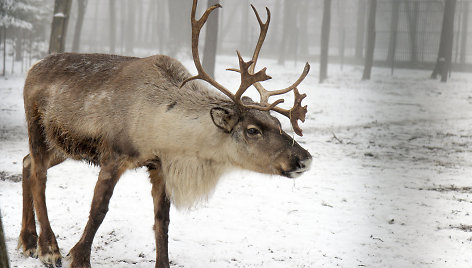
(252,131)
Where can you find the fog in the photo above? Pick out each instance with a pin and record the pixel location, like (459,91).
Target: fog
(147,27)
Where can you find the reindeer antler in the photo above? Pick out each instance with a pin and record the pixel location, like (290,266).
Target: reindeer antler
(248,77)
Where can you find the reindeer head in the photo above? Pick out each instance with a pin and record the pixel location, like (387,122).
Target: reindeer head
(260,143)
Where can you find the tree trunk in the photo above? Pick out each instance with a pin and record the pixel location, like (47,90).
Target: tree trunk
(19,45)
(341,10)
(179,35)
(285,32)
(412,20)
(163,23)
(112,28)
(4,263)
(303,22)
(369,53)
(244,29)
(211,38)
(360,29)
(81,7)
(392,44)
(60,19)
(465,22)
(325,28)
(443,62)
(130,26)
(4,50)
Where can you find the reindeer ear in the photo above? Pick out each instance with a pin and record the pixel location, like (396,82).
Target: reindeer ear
(224,118)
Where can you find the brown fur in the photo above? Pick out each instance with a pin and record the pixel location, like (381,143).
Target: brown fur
(123,112)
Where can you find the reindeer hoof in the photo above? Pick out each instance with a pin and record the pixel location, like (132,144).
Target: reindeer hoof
(78,258)
(27,244)
(51,257)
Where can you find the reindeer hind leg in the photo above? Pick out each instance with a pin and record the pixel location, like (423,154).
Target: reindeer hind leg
(36,164)
(27,241)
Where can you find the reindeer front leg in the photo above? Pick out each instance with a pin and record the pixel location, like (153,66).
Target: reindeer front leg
(108,177)
(161,215)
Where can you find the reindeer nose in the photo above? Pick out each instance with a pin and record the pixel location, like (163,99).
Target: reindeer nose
(304,164)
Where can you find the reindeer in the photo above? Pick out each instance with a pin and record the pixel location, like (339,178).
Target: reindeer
(122,113)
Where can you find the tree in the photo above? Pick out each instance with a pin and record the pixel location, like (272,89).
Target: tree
(82,4)
(130,27)
(3,248)
(325,28)
(17,17)
(112,29)
(369,52)
(465,22)
(443,63)
(412,19)
(59,26)
(341,13)
(211,40)
(288,31)
(244,29)
(303,32)
(392,44)
(179,33)
(360,28)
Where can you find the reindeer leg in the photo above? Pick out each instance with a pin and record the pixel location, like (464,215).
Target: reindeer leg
(28,236)
(108,177)
(161,216)
(47,249)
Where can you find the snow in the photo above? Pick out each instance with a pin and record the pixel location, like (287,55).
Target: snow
(59,15)
(389,185)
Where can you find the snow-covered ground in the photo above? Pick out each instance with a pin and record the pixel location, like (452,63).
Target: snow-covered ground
(390,185)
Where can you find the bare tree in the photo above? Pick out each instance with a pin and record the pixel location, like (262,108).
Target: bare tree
(412,19)
(392,44)
(465,29)
(211,40)
(82,5)
(244,39)
(4,39)
(287,31)
(341,13)
(360,29)
(130,25)
(179,35)
(443,63)
(325,29)
(59,26)
(303,33)
(369,52)
(112,30)
(4,263)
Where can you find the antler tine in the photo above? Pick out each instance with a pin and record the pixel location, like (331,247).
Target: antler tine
(298,112)
(264,28)
(248,77)
(196,28)
(267,94)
